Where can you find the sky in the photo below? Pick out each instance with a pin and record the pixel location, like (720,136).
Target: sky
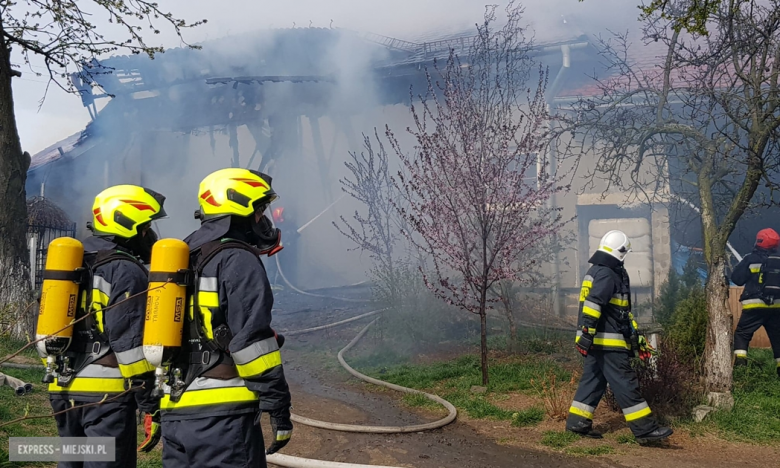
(61,114)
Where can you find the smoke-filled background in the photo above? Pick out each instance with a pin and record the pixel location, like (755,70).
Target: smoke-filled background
(192,135)
(61,114)
(286,89)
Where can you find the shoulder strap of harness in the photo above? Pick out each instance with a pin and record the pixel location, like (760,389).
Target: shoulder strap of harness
(206,353)
(103,257)
(199,258)
(97,345)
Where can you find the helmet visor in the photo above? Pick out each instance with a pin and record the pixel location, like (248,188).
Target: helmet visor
(160,199)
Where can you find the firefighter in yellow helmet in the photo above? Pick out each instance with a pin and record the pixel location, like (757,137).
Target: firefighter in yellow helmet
(106,356)
(230,369)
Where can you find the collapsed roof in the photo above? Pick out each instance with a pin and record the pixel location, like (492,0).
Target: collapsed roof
(260,76)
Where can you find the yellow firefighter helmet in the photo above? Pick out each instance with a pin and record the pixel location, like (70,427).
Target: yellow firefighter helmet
(121,209)
(234,191)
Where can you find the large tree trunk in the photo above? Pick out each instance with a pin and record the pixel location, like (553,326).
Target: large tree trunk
(717,353)
(15,288)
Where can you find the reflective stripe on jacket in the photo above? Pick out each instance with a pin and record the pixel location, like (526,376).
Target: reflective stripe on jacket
(94,381)
(605,304)
(207,396)
(747,273)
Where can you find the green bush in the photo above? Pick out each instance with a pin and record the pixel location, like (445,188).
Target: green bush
(688,330)
(674,290)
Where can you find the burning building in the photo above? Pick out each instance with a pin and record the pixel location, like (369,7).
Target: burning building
(293,103)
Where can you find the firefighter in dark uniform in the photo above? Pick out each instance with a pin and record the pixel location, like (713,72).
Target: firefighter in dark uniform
(759,273)
(231,368)
(604,338)
(106,354)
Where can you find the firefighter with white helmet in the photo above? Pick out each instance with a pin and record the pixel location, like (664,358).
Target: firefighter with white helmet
(606,331)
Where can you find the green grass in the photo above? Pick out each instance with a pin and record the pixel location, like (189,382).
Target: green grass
(464,372)
(420,401)
(590,451)
(756,414)
(453,381)
(10,346)
(559,439)
(627,439)
(532,341)
(528,417)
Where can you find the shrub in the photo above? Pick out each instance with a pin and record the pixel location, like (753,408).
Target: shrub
(674,290)
(688,331)
(669,384)
(556,394)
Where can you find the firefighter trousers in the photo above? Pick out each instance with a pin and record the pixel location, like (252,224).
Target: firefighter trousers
(229,441)
(110,419)
(750,321)
(613,368)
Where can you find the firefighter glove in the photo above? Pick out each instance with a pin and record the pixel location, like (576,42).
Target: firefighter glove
(282,430)
(646,350)
(585,341)
(279,339)
(153,431)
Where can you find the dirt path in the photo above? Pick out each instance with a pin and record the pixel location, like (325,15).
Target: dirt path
(457,445)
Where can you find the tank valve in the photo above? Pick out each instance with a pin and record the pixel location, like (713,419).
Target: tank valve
(51,369)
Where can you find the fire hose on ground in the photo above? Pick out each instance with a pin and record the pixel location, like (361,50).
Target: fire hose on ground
(297,462)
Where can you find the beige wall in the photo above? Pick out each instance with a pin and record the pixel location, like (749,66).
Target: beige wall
(583,194)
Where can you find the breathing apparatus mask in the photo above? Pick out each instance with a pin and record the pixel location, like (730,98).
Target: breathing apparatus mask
(141,244)
(257,229)
(263,234)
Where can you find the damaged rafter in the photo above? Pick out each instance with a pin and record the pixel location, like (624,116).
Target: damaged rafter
(271,79)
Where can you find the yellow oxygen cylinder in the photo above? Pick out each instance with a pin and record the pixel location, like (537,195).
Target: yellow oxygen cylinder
(165,304)
(59,300)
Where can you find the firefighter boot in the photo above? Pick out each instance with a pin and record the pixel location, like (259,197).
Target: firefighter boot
(740,362)
(584,429)
(662,433)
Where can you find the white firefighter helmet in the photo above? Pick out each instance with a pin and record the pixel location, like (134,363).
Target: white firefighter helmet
(615,243)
